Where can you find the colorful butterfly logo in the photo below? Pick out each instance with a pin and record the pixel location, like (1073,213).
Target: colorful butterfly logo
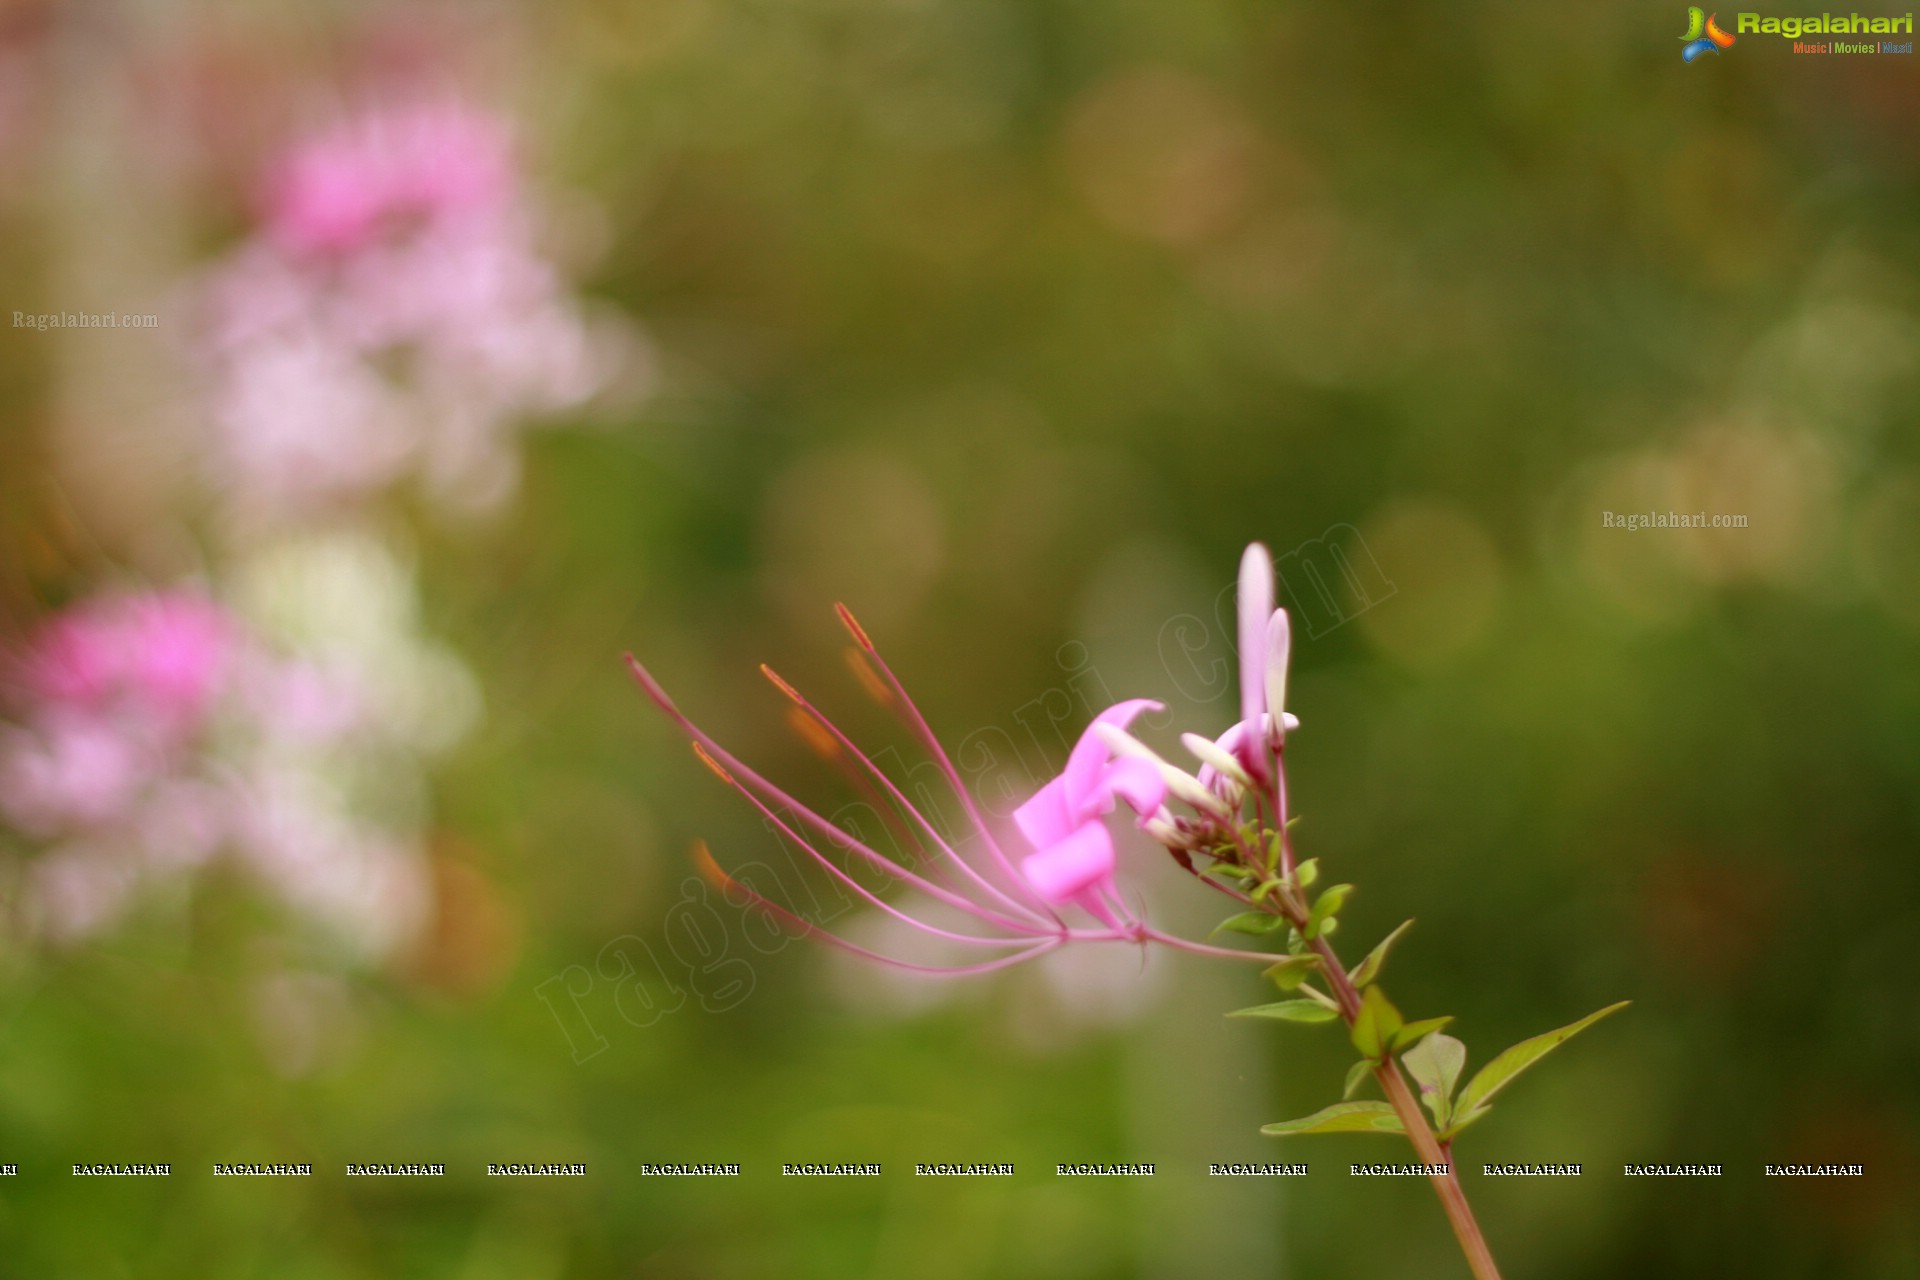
(1703,34)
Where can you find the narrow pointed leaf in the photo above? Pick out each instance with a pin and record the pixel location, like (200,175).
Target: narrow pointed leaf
(1292,971)
(1326,907)
(1341,1117)
(1257,923)
(1356,1076)
(1368,970)
(1435,1064)
(1500,1072)
(1288,1011)
(1377,1024)
(1409,1035)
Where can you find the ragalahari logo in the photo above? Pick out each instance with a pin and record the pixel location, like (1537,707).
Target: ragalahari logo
(1703,34)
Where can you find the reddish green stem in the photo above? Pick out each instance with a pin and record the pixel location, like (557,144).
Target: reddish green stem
(1446,1185)
(1453,1197)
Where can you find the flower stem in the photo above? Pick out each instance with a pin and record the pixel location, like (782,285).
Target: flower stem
(1453,1197)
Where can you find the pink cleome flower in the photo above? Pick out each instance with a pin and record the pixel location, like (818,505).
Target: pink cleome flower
(379,173)
(1017,907)
(110,691)
(153,655)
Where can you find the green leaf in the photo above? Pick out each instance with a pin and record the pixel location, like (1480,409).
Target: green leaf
(1436,1063)
(1288,1011)
(1409,1035)
(1291,971)
(1306,873)
(1368,970)
(1342,1117)
(1376,1025)
(1325,908)
(1356,1076)
(1258,923)
(1500,1072)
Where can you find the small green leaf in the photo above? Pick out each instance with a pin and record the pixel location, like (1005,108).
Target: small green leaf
(1342,1117)
(1500,1072)
(1306,873)
(1258,923)
(1409,1035)
(1325,908)
(1356,1076)
(1436,1063)
(1291,971)
(1368,970)
(1289,1011)
(1376,1025)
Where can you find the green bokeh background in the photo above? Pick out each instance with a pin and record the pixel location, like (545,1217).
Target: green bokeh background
(1009,324)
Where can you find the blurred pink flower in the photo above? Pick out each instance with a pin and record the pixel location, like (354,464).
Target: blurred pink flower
(179,646)
(388,173)
(156,655)
(111,693)
(152,732)
(73,770)
(394,316)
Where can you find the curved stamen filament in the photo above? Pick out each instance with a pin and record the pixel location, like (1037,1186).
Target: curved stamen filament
(875,899)
(899,797)
(918,723)
(720,756)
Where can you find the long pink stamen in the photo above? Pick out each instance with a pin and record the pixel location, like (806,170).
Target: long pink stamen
(924,732)
(1202,949)
(807,928)
(898,796)
(866,893)
(722,756)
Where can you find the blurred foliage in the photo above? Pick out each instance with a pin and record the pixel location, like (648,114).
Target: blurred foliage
(1009,323)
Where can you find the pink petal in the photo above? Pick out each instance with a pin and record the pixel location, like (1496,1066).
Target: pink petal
(1084,767)
(1063,870)
(1235,742)
(1255,608)
(1279,647)
(1046,818)
(1137,782)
